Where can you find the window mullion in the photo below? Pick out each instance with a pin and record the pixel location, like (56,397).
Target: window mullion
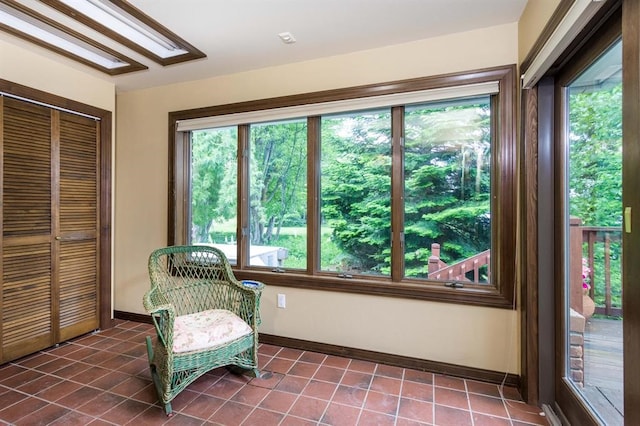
(243,195)
(397,193)
(313,194)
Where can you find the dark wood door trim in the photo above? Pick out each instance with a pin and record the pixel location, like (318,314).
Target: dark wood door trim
(37,96)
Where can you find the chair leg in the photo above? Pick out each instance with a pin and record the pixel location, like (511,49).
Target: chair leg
(156,379)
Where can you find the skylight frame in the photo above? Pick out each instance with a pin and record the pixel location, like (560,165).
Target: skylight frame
(130,13)
(57,31)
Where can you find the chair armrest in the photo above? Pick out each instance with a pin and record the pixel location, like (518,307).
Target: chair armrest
(248,307)
(163,317)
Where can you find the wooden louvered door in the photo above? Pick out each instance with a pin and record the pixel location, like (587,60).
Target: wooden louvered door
(27,300)
(76,225)
(49,186)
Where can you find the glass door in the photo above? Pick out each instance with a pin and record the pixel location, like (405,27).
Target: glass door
(592,367)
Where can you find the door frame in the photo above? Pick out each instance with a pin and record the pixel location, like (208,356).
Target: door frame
(566,400)
(104,263)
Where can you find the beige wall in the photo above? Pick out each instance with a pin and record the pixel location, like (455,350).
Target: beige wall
(532,21)
(39,72)
(470,336)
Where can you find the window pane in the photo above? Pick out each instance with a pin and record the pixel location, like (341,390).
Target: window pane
(278,194)
(448,190)
(356,193)
(214,171)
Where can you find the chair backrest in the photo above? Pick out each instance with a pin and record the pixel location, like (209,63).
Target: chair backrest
(191,278)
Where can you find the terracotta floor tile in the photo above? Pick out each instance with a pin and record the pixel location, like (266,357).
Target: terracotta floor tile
(363,366)
(130,386)
(415,390)
(386,384)
(101,404)
(416,410)
(292,384)
(44,381)
(72,369)
(268,349)
(82,353)
(104,379)
(90,374)
(451,398)
(250,395)
(36,360)
(73,418)
(278,401)
(449,382)
(356,379)
(389,371)
(267,380)
(21,408)
(79,397)
(297,421)
(320,390)
(59,390)
(110,380)
(313,357)
(488,389)
(309,408)
(487,405)
(9,370)
(525,413)
(418,376)
(125,411)
(382,403)
(487,420)
(338,414)
(279,365)
(336,361)
(20,378)
(183,420)
(289,353)
(260,417)
(223,388)
(303,369)
(329,374)
(9,398)
(348,395)
(203,406)
(231,413)
(44,416)
(368,418)
(451,416)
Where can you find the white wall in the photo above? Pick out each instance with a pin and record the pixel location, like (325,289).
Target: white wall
(470,336)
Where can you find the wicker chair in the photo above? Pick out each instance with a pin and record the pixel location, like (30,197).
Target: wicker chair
(204,317)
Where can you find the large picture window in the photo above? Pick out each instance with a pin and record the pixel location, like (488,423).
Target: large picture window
(404,188)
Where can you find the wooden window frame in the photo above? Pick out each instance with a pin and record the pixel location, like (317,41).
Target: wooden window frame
(498,294)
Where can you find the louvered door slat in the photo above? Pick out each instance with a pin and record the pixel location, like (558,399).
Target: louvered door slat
(27,318)
(78,225)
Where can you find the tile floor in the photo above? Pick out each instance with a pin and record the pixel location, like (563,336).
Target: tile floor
(103,379)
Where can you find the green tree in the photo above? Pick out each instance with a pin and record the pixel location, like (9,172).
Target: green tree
(595,173)
(447,183)
(278,178)
(356,182)
(213,180)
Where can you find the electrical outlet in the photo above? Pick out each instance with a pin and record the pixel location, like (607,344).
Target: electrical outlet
(282,301)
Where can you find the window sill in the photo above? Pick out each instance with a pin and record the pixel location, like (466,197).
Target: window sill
(470,295)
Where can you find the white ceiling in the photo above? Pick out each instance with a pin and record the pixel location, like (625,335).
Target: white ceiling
(241,35)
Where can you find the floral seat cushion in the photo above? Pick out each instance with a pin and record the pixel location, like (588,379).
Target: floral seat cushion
(207,330)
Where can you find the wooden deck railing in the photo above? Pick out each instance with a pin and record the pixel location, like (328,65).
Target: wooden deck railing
(438,270)
(591,237)
(582,238)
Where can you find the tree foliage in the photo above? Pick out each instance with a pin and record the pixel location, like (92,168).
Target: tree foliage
(213,180)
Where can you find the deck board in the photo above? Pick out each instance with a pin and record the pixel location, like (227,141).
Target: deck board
(603,368)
